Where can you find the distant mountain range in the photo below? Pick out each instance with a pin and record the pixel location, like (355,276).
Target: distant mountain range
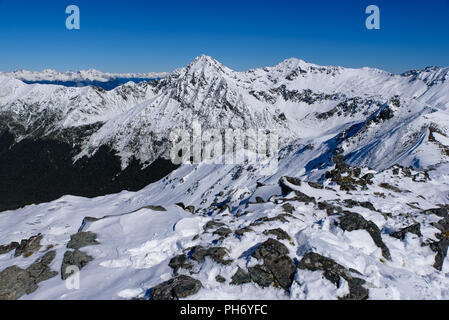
(91,77)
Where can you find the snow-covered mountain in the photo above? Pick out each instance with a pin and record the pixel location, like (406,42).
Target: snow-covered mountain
(391,118)
(357,207)
(83,78)
(78,76)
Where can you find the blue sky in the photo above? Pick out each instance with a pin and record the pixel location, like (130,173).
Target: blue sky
(146,35)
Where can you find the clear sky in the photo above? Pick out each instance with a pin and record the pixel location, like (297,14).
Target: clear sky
(147,35)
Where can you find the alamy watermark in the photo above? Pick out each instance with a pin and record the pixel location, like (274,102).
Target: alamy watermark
(73,20)
(73,281)
(228,146)
(373,20)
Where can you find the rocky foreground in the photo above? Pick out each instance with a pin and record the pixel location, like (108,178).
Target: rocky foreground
(357,234)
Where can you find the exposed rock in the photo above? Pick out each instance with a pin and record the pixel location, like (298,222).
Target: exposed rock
(441,249)
(181,205)
(286,182)
(240,277)
(74,258)
(351,221)
(156,208)
(441,212)
(86,221)
(278,233)
(270,249)
(217,254)
(40,270)
(8,247)
(288,208)
(340,163)
(223,232)
(415,229)
(352,203)
(15,282)
(442,225)
(283,269)
(277,264)
(348,178)
(368,178)
(397,169)
(29,246)
(331,209)
(220,279)
(302,197)
(390,187)
(190,209)
(242,231)
(82,239)
(261,276)
(315,185)
(177,288)
(180,262)
(281,217)
(333,272)
(213,225)
(259,200)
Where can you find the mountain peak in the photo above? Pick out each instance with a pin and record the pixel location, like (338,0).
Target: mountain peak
(292,63)
(204,61)
(206,65)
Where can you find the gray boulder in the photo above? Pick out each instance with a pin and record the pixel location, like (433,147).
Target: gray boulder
(29,246)
(82,239)
(180,262)
(177,288)
(276,263)
(440,248)
(15,282)
(40,270)
(286,182)
(240,277)
(8,247)
(74,258)
(333,272)
(260,275)
(217,254)
(156,208)
(278,233)
(351,221)
(414,229)
(223,232)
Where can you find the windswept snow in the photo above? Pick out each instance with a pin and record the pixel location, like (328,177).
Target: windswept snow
(137,241)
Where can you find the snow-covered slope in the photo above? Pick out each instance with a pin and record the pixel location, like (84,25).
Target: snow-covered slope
(127,245)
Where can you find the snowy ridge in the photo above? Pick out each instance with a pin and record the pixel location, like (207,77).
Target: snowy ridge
(291,98)
(91,75)
(301,101)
